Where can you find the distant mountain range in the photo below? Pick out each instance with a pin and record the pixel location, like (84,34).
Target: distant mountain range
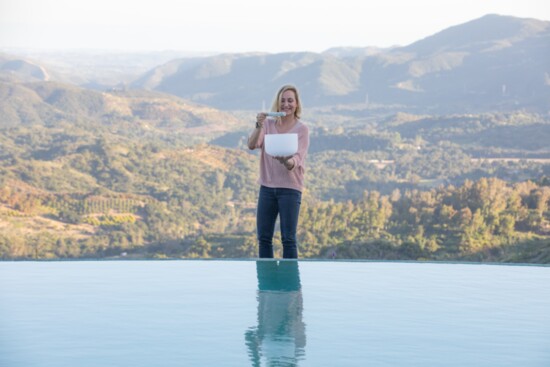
(491,63)
(95,69)
(494,63)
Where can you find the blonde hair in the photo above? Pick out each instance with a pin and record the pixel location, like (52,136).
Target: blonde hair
(277,101)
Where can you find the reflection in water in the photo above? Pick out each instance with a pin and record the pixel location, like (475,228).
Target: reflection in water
(280,337)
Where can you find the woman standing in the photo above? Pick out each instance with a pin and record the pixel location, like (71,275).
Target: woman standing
(281,178)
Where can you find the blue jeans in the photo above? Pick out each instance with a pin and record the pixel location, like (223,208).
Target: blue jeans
(286,204)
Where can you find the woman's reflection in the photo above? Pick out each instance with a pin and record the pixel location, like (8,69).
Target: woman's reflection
(280,337)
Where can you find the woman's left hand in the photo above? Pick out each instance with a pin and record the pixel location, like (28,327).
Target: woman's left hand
(284,161)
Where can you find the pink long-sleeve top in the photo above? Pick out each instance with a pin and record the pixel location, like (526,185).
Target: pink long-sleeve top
(272,172)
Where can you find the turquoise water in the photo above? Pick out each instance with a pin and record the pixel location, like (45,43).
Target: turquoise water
(248,313)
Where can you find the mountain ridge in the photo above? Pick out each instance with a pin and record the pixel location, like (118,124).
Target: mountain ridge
(468,66)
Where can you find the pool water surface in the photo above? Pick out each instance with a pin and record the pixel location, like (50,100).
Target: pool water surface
(263,313)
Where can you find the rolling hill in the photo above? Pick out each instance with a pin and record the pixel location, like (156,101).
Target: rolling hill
(18,69)
(128,112)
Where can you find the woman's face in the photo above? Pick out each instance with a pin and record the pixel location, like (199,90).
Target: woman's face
(288,103)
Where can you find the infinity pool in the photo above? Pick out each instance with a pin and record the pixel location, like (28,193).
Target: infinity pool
(272,313)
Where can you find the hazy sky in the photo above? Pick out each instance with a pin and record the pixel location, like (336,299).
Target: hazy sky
(239,25)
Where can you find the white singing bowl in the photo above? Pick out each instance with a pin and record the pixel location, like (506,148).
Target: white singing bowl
(281,145)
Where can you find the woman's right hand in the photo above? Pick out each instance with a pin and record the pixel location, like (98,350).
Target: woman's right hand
(253,138)
(260,118)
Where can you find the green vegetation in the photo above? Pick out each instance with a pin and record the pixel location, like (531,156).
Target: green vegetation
(95,175)
(483,220)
